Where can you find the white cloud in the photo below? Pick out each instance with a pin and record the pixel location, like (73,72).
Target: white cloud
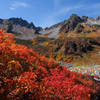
(67,9)
(95,6)
(19,4)
(11,8)
(16,5)
(56,3)
(51,19)
(92,6)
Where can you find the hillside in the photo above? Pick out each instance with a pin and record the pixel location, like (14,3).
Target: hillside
(20,28)
(74,40)
(69,28)
(25,75)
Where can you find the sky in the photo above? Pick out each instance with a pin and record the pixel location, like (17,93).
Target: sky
(45,13)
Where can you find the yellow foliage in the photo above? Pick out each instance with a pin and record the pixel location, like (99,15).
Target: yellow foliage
(59,57)
(45,43)
(35,43)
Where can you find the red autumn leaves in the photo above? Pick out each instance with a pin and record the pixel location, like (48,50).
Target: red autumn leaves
(26,75)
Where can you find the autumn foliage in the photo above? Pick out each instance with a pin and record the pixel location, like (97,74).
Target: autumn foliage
(25,75)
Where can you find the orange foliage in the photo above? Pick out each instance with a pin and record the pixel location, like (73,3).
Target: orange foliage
(26,75)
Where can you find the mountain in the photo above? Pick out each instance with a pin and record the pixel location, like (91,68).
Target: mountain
(72,26)
(71,23)
(76,40)
(71,40)
(19,21)
(25,75)
(19,27)
(24,30)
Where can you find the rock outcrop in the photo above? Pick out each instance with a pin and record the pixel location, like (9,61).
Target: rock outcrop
(79,28)
(71,23)
(79,46)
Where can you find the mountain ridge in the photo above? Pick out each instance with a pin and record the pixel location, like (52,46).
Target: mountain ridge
(29,30)
(75,38)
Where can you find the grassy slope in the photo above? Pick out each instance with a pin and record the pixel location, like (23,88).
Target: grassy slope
(55,48)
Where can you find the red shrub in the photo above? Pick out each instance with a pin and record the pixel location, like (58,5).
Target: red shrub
(26,75)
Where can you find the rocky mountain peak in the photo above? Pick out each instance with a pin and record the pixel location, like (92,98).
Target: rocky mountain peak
(73,16)
(84,18)
(74,23)
(21,22)
(71,23)
(31,25)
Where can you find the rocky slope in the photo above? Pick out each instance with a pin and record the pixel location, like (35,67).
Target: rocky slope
(77,38)
(72,26)
(75,24)
(20,28)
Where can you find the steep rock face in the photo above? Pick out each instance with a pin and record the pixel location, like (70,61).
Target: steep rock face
(71,24)
(21,22)
(31,25)
(91,21)
(84,18)
(19,27)
(1,21)
(79,46)
(39,28)
(18,21)
(79,28)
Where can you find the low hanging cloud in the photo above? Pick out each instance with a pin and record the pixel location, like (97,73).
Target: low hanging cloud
(16,5)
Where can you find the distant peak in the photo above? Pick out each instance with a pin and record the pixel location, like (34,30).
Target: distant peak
(84,18)
(74,16)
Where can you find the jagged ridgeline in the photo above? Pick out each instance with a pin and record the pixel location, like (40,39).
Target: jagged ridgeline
(27,73)
(70,40)
(75,24)
(78,41)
